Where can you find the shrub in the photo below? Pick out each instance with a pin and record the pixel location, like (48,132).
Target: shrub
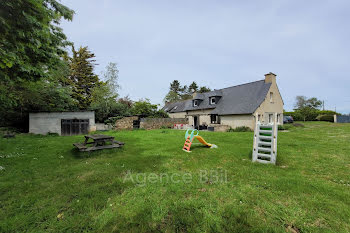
(240,129)
(112,120)
(329,118)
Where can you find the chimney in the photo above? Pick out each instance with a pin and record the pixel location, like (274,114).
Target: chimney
(270,78)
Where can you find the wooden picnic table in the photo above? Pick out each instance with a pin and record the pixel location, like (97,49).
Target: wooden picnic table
(99,142)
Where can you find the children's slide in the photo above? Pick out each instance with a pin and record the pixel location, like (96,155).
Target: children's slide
(189,139)
(201,140)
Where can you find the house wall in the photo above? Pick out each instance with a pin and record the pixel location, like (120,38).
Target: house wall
(204,116)
(271,107)
(177,115)
(45,122)
(235,121)
(157,123)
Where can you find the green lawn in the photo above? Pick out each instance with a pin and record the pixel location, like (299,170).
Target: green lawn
(47,186)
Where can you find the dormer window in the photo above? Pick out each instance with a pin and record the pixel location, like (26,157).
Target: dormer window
(195,103)
(212,100)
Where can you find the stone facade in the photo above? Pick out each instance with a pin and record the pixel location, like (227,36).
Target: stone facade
(148,123)
(157,123)
(125,123)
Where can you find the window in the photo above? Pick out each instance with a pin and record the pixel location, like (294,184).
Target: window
(270,118)
(195,103)
(212,100)
(271,97)
(259,117)
(214,119)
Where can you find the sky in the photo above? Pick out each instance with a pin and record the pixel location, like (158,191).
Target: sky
(219,44)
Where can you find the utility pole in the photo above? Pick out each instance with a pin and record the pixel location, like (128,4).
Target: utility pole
(323,104)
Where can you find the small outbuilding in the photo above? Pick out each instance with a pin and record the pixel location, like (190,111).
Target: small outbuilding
(62,123)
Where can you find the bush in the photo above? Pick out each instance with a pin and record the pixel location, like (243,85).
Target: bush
(112,120)
(329,118)
(240,129)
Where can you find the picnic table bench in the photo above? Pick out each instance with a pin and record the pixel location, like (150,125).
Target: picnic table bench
(98,143)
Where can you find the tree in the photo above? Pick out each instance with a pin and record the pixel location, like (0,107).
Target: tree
(303,102)
(111,76)
(204,89)
(31,59)
(178,93)
(30,39)
(82,77)
(144,108)
(174,93)
(307,108)
(193,87)
(104,95)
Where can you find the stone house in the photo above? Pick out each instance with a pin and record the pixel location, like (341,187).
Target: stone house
(232,106)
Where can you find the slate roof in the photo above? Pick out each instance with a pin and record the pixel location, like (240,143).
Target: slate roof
(241,99)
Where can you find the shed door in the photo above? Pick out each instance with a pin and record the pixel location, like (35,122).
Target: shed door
(74,126)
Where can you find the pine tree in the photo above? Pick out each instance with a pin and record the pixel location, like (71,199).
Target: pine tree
(82,76)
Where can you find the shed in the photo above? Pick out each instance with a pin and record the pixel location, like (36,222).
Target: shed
(62,123)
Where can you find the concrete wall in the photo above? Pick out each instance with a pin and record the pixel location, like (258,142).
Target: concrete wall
(235,121)
(103,127)
(45,122)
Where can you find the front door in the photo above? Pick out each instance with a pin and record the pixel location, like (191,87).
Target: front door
(196,122)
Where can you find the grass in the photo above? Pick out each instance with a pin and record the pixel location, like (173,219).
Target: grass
(47,186)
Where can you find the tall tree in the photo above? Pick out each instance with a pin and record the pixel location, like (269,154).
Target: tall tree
(30,39)
(104,96)
(174,93)
(82,77)
(111,76)
(31,51)
(193,87)
(178,92)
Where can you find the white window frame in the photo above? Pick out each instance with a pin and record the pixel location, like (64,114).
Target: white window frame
(211,100)
(270,118)
(195,103)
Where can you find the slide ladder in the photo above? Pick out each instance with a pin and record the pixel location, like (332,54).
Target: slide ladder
(265,142)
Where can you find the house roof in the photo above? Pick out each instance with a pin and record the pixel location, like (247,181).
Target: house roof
(240,99)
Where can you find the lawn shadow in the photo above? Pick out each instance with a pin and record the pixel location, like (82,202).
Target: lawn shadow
(90,154)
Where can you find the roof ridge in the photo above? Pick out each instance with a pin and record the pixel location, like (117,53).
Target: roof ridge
(235,86)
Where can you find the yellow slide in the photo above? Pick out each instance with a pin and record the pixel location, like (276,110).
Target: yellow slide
(201,140)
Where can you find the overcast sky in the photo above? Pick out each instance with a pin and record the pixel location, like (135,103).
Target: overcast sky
(220,44)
